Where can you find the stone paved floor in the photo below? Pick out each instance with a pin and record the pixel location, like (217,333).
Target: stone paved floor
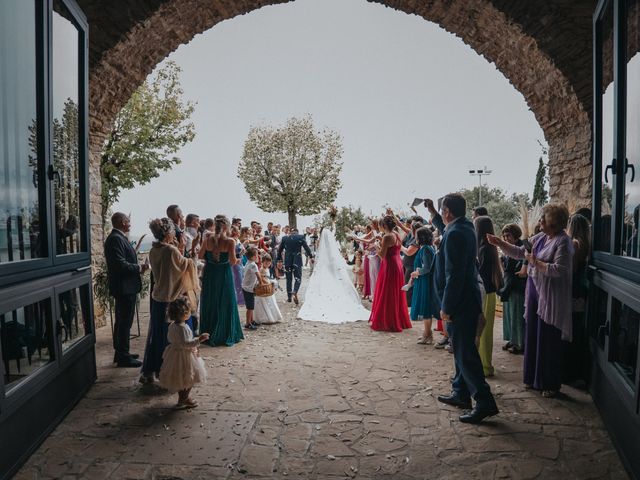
(309,400)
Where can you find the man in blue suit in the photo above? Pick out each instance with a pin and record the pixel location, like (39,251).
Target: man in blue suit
(456,278)
(292,245)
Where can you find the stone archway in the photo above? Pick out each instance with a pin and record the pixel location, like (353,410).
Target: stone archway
(543,49)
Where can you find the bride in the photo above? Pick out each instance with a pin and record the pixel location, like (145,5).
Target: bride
(331,296)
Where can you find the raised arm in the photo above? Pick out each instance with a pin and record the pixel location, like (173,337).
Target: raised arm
(410,250)
(402,226)
(509,250)
(562,261)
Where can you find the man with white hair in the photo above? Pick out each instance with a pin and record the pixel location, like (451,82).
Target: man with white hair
(125,282)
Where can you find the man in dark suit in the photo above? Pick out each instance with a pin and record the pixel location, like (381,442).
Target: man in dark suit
(292,245)
(124,285)
(456,278)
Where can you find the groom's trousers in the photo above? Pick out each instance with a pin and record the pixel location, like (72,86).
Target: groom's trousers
(294,275)
(469,378)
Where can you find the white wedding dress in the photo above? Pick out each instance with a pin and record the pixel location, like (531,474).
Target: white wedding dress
(330,296)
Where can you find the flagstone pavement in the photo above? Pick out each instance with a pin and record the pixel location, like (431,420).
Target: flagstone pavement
(313,401)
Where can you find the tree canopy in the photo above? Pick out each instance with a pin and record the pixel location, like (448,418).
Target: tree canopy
(502,208)
(293,168)
(540,195)
(147,133)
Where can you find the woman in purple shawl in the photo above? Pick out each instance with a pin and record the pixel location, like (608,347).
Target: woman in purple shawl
(547,298)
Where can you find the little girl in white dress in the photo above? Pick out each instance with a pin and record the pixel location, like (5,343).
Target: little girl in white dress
(266,310)
(182,367)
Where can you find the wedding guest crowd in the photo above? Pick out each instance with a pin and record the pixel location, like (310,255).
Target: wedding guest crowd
(541,282)
(446,271)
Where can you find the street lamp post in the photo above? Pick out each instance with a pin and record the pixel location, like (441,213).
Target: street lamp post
(480,172)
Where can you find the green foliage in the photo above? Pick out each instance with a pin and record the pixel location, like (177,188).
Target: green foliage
(293,168)
(101,286)
(502,209)
(540,195)
(147,133)
(346,219)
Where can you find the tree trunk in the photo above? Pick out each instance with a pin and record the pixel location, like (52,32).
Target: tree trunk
(293,222)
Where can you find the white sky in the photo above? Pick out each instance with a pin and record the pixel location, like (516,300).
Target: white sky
(416,107)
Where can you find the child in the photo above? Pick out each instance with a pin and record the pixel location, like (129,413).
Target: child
(358,272)
(249,282)
(266,311)
(182,367)
(423,303)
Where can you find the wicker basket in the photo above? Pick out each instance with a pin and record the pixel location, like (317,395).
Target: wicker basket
(264,290)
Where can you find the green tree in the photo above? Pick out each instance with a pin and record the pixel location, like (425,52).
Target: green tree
(502,208)
(292,169)
(540,195)
(147,133)
(346,219)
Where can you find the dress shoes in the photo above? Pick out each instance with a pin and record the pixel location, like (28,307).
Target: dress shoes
(129,363)
(455,401)
(295,298)
(478,414)
(133,356)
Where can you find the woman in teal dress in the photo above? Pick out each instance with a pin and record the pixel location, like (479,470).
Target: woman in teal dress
(218,307)
(424,305)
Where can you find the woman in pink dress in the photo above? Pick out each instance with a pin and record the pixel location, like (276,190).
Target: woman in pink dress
(374,259)
(366,289)
(389,312)
(371,261)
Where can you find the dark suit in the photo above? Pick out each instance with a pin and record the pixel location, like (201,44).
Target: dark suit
(124,284)
(292,246)
(459,293)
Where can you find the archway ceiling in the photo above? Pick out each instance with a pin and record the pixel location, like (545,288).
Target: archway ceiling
(560,28)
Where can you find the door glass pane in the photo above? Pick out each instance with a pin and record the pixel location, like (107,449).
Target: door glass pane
(606,143)
(598,307)
(66,135)
(26,339)
(19,204)
(74,322)
(624,339)
(631,246)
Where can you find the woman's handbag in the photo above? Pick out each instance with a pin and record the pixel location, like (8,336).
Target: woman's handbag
(264,290)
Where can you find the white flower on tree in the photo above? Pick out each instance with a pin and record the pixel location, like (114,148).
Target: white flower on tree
(293,168)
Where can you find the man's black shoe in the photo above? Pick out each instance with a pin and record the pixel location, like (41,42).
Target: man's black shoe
(129,363)
(133,356)
(455,401)
(289,298)
(478,414)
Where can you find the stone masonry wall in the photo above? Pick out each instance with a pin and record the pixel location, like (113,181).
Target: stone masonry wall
(539,47)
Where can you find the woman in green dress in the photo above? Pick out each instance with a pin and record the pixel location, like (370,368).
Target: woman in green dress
(218,307)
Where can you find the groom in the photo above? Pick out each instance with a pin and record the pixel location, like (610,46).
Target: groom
(293,244)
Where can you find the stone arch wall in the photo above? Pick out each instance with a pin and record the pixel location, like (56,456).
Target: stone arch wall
(542,47)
